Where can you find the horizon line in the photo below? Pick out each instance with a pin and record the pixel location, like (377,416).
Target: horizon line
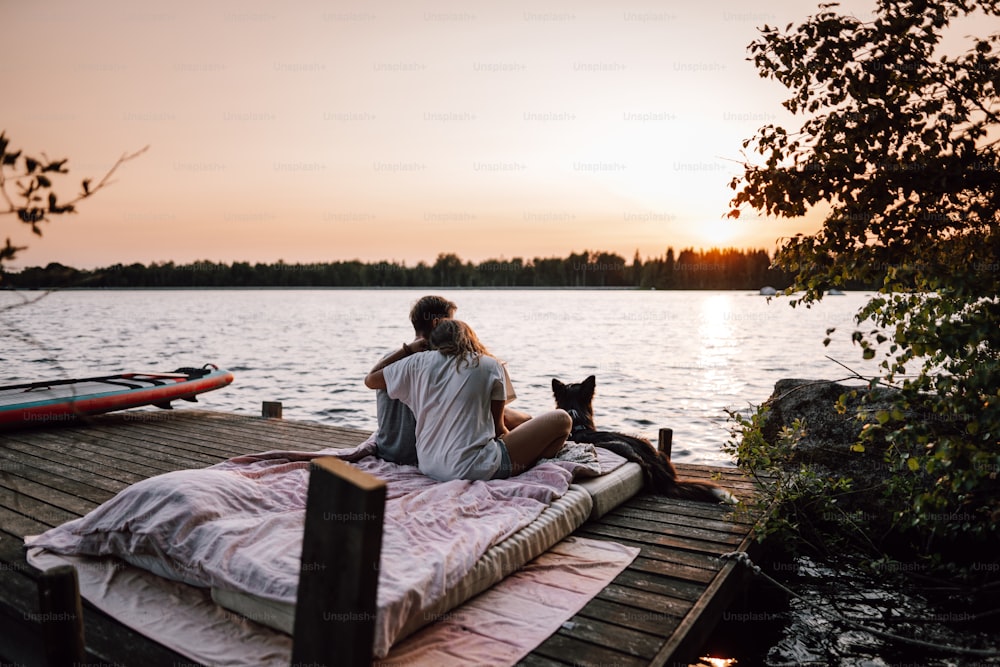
(628,261)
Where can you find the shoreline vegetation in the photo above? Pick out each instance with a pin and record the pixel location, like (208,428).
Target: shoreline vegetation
(840,564)
(714,269)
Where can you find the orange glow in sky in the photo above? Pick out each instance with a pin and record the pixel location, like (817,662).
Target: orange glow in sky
(314,131)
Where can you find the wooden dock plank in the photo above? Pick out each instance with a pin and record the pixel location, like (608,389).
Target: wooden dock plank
(661,584)
(22,487)
(72,444)
(598,531)
(535,660)
(166,448)
(20,592)
(604,633)
(155,447)
(625,616)
(658,515)
(685,572)
(585,654)
(17,522)
(693,510)
(622,517)
(38,512)
(660,607)
(644,600)
(203,439)
(659,539)
(37,468)
(97,470)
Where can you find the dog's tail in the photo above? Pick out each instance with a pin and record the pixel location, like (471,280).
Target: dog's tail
(703,491)
(659,474)
(661,478)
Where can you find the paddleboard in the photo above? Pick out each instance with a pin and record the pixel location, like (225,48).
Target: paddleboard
(44,403)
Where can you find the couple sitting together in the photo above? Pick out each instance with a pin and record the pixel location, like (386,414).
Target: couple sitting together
(442,404)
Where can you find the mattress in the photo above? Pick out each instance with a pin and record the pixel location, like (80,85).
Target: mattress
(557,521)
(587,499)
(611,489)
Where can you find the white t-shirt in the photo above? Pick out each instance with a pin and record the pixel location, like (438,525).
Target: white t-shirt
(455,430)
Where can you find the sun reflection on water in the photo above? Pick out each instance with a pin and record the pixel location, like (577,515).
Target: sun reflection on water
(716,662)
(717,344)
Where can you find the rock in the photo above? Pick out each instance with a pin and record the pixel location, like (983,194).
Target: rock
(829,433)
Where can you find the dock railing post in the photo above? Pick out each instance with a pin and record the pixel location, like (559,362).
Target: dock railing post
(270,410)
(338,580)
(62,617)
(666,441)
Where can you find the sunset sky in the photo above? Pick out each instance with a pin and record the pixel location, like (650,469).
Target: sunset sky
(316,131)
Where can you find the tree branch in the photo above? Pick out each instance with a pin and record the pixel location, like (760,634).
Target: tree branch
(105,180)
(89,191)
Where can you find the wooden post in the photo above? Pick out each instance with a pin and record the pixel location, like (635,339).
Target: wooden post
(270,410)
(62,616)
(666,441)
(336,606)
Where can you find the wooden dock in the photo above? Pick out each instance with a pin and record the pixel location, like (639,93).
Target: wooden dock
(659,611)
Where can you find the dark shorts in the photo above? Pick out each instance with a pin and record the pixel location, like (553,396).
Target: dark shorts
(506,467)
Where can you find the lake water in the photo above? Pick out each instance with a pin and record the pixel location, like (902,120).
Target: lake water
(674,359)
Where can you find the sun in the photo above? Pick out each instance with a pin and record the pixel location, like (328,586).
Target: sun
(716,233)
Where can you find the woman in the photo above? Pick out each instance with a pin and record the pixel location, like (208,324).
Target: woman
(457,393)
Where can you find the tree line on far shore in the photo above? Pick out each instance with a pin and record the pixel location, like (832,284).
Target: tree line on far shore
(736,269)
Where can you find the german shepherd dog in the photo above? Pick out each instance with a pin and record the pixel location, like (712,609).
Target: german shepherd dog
(659,473)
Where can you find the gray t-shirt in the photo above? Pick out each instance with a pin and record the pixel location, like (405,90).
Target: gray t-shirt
(396,438)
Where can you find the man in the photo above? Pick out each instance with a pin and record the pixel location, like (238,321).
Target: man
(395,439)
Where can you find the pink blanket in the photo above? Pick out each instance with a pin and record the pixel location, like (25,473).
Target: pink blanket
(496,628)
(238,525)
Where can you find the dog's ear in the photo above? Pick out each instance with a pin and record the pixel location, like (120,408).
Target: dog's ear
(557,385)
(589,383)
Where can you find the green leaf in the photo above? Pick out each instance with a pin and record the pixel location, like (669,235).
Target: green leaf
(913,464)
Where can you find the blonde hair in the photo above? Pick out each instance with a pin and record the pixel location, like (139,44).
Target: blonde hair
(455,338)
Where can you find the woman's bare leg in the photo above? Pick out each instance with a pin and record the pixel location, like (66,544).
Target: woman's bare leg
(514,418)
(540,437)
